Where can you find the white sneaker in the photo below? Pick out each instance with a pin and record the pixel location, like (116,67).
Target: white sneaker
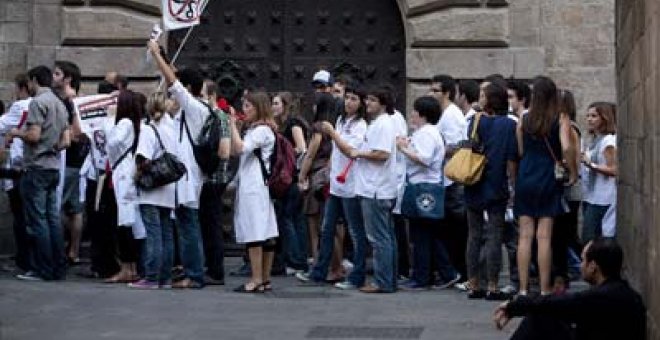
(29,276)
(463,286)
(304,277)
(345,285)
(290,271)
(509,289)
(449,283)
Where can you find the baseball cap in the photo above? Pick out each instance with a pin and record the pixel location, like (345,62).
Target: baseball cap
(322,77)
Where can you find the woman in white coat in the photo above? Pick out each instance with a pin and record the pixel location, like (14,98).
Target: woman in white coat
(254,217)
(121,143)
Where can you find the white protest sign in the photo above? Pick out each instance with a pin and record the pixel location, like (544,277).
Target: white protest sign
(181,13)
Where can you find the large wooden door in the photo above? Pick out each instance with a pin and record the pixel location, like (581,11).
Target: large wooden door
(280,44)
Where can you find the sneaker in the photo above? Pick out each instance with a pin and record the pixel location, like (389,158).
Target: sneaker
(413,285)
(449,283)
(29,276)
(144,284)
(476,294)
(303,277)
(463,286)
(292,271)
(497,296)
(509,289)
(345,285)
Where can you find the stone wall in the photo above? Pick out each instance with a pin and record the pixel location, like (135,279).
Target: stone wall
(572,41)
(638,82)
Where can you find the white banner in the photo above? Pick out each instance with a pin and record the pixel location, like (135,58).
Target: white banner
(181,13)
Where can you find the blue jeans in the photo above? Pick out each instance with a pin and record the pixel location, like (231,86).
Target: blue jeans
(44,228)
(334,207)
(378,223)
(592,227)
(159,257)
(424,234)
(292,229)
(190,243)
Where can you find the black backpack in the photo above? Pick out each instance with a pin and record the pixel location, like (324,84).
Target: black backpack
(205,145)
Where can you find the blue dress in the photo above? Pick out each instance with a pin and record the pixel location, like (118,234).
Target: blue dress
(538,194)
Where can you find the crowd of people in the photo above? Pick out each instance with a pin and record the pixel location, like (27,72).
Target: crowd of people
(353,158)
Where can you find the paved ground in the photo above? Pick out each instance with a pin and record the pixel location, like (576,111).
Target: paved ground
(87,309)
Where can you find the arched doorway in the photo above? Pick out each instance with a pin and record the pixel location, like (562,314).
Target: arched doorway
(279,44)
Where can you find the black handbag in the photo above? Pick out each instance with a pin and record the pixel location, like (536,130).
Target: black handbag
(161,171)
(423,200)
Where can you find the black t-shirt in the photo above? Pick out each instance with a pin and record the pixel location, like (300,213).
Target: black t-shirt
(292,122)
(77,152)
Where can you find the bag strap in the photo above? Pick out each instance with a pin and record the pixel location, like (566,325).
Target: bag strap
(121,159)
(552,153)
(475,125)
(257,153)
(160,141)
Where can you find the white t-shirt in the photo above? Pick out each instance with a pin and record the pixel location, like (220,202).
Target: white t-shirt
(453,128)
(401,131)
(352,131)
(149,148)
(189,187)
(430,148)
(16,115)
(603,192)
(377,179)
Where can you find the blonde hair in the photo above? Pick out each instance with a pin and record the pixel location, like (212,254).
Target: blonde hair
(156,105)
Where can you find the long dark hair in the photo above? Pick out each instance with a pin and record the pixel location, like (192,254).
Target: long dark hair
(544,110)
(129,107)
(325,107)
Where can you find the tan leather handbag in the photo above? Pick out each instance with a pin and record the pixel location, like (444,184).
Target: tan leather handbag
(467,165)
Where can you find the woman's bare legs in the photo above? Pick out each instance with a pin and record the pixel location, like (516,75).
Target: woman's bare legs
(544,237)
(524,255)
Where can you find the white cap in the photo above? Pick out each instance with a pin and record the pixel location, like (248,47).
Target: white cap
(322,76)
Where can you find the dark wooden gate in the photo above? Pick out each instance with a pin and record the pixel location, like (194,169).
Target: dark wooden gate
(280,44)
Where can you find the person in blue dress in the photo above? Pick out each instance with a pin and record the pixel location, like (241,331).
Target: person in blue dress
(547,164)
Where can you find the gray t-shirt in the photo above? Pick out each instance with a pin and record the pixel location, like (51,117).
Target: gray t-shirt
(47,111)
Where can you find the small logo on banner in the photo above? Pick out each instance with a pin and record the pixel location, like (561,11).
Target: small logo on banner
(181,13)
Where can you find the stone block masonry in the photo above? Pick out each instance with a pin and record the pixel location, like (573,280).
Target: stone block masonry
(638,81)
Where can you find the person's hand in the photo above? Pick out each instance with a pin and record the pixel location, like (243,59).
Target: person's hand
(572,179)
(232,117)
(13,133)
(303,184)
(153,47)
(353,154)
(500,317)
(327,128)
(402,142)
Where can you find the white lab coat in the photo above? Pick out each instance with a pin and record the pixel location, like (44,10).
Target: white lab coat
(254,218)
(120,138)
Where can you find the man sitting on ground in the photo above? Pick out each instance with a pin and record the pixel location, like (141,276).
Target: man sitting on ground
(610,309)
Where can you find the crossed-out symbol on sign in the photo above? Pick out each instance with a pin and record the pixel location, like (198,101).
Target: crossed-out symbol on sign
(183,10)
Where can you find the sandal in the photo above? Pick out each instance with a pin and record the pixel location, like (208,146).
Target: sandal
(267,286)
(187,284)
(258,288)
(118,278)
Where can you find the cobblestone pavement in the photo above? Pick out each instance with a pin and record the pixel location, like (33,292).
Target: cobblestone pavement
(88,309)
